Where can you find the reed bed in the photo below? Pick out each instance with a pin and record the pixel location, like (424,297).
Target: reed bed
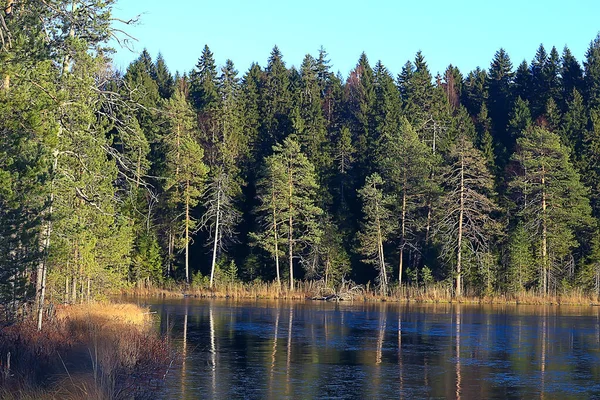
(349,291)
(88,351)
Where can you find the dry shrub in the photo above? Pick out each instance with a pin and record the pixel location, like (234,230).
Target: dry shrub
(92,351)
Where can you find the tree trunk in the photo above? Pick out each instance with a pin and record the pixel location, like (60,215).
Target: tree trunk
(458,290)
(544,238)
(382,271)
(43,266)
(276,237)
(89,288)
(403,233)
(66,300)
(187,233)
(216,238)
(170,259)
(291,233)
(138,169)
(291,253)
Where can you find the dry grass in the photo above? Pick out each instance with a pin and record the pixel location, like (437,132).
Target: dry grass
(435,293)
(237,290)
(105,314)
(91,351)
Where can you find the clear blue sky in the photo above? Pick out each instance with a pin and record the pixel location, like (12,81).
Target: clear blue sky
(464,33)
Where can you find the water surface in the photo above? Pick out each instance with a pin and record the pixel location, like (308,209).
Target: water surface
(276,350)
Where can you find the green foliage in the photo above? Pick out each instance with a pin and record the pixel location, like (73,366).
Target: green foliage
(287,209)
(376,227)
(105,177)
(146,263)
(522,267)
(551,201)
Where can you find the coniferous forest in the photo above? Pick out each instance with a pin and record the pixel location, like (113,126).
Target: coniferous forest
(482,181)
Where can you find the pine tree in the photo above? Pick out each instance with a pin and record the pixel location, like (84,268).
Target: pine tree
(551,201)
(186,173)
(221,214)
(406,168)
(287,193)
(376,227)
(465,220)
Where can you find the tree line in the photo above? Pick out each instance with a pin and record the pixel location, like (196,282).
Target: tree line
(486,182)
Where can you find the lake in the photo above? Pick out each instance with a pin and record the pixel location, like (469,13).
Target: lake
(305,350)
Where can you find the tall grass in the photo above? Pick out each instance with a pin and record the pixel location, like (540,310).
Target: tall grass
(440,292)
(91,351)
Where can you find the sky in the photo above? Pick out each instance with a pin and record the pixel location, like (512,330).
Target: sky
(463,33)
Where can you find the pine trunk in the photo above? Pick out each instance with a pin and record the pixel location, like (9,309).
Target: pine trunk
(382,271)
(170,250)
(276,237)
(402,233)
(187,233)
(458,290)
(216,238)
(544,238)
(291,233)
(43,266)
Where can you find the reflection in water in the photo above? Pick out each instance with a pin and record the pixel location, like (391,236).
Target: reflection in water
(400,362)
(213,351)
(274,353)
(544,318)
(458,376)
(355,350)
(289,351)
(184,352)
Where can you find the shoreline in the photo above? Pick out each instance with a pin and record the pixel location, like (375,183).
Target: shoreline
(308,291)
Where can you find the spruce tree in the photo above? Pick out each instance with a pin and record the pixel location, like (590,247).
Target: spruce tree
(591,67)
(499,102)
(571,76)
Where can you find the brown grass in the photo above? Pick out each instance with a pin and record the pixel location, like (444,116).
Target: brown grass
(435,293)
(91,351)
